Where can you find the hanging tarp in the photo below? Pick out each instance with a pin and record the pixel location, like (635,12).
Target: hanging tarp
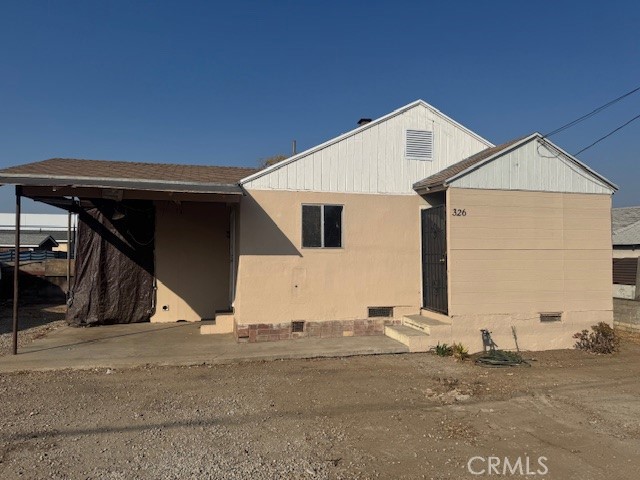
(114,264)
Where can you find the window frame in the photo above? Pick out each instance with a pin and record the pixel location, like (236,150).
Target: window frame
(322,205)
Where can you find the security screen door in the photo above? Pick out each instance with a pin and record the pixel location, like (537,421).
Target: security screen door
(434,259)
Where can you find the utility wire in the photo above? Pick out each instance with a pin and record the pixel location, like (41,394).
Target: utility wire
(608,134)
(591,114)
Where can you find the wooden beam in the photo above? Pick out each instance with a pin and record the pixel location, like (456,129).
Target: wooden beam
(96,192)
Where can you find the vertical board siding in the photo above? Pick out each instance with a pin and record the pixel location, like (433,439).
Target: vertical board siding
(533,167)
(373,160)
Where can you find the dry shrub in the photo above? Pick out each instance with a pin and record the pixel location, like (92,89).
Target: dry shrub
(602,339)
(460,352)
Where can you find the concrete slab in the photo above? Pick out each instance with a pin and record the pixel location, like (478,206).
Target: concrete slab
(119,346)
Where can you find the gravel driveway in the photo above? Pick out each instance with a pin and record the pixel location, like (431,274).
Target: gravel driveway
(389,416)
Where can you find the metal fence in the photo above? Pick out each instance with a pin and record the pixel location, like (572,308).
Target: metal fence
(32,256)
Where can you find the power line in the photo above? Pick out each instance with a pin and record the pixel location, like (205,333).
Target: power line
(608,134)
(592,113)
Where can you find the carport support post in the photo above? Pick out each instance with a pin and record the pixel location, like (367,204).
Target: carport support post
(16,269)
(68,254)
(638,280)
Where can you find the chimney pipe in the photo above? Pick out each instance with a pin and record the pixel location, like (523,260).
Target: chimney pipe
(293,147)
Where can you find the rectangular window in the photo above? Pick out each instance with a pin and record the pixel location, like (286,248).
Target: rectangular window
(322,226)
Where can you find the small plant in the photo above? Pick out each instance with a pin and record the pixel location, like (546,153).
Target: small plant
(459,352)
(444,350)
(602,339)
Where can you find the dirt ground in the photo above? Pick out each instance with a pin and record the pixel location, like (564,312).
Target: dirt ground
(390,416)
(36,320)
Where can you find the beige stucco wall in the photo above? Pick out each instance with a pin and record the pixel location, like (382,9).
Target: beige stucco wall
(516,254)
(192,260)
(279,281)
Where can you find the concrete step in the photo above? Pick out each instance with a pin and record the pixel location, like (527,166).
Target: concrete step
(222,324)
(425,324)
(435,315)
(415,340)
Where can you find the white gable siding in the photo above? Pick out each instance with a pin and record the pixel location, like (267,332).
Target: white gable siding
(533,166)
(373,159)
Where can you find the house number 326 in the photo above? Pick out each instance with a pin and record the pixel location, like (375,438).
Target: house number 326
(459,212)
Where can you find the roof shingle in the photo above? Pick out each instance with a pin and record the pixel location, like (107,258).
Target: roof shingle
(106,169)
(27,239)
(622,217)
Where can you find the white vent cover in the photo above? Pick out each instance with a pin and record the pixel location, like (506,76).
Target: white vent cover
(419,144)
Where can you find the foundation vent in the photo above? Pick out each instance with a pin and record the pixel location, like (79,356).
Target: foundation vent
(381,312)
(297,327)
(551,317)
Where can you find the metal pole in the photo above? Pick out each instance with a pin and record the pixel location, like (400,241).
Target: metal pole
(68,253)
(16,269)
(294,148)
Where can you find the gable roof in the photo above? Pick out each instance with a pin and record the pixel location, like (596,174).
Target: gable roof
(355,131)
(138,175)
(60,236)
(474,162)
(27,239)
(622,217)
(442,176)
(629,235)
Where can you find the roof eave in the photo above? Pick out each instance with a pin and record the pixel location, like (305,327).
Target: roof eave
(424,189)
(119,183)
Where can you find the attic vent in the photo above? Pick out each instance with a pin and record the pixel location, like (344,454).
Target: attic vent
(419,144)
(381,312)
(551,317)
(297,327)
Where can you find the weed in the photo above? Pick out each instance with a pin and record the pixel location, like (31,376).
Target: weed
(460,352)
(602,339)
(444,350)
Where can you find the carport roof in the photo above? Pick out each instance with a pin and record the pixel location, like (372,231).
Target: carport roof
(127,175)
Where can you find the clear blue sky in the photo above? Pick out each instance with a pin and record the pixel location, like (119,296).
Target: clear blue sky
(230,83)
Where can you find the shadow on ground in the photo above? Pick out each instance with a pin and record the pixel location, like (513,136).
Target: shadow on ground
(30,316)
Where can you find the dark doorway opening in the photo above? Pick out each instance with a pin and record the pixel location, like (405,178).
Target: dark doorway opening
(434,259)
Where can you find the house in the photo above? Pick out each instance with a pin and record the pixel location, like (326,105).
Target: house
(40,231)
(31,240)
(410,225)
(626,252)
(625,224)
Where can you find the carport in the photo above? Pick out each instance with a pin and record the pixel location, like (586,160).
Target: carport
(155,241)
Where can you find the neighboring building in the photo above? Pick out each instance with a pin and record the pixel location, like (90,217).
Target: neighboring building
(410,224)
(626,251)
(30,240)
(39,231)
(626,232)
